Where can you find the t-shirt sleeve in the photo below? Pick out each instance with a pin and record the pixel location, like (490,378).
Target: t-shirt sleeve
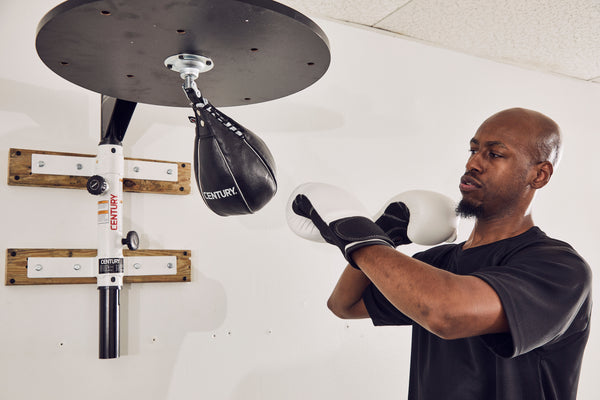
(380,310)
(541,290)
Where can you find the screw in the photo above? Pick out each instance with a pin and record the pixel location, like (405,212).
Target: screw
(38,267)
(169,265)
(41,164)
(137,266)
(169,172)
(136,169)
(79,166)
(76,267)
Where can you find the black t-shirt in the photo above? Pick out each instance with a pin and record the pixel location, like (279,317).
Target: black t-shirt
(545,289)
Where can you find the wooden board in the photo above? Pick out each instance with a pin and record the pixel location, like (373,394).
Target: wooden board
(19,174)
(16,266)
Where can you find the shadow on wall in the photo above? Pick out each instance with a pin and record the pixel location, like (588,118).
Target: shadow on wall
(197,306)
(49,117)
(286,116)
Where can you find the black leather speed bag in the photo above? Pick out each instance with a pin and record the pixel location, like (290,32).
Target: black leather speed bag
(235,170)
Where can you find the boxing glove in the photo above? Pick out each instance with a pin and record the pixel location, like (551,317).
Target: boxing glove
(419,216)
(337,216)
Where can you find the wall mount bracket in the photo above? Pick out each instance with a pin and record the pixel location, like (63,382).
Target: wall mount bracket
(53,169)
(75,266)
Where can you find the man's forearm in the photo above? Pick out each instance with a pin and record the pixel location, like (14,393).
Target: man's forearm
(448,305)
(346,299)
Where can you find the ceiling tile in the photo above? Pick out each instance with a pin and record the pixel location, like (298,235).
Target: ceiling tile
(365,12)
(557,36)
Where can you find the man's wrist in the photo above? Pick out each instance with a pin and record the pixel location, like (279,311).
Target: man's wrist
(369,254)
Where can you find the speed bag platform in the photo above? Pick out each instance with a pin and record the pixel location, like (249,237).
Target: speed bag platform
(235,170)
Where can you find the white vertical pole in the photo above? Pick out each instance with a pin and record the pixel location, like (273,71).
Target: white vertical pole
(110,166)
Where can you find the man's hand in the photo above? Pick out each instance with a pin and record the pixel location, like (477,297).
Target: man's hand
(420,216)
(336,215)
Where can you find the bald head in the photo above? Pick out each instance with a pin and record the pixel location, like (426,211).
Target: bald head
(545,142)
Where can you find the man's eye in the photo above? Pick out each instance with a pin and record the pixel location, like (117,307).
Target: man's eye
(495,155)
(472,151)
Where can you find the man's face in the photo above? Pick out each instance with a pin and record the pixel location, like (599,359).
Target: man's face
(498,172)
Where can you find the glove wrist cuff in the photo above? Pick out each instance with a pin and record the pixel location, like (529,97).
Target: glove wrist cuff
(357,232)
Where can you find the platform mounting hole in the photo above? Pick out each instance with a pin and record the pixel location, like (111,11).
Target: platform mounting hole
(130,76)
(65,63)
(181,31)
(310,63)
(254,49)
(247,98)
(105,12)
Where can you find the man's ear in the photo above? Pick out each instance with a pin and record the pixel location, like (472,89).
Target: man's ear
(543,171)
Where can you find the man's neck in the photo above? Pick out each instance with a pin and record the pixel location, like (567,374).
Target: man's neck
(488,231)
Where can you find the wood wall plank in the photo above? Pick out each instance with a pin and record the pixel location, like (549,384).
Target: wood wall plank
(16,266)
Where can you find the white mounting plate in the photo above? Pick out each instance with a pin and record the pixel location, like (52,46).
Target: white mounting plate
(49,164)
(86,267)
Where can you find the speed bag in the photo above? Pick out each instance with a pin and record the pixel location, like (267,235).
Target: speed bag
(234,168)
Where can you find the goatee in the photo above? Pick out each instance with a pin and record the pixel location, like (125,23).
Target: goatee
(468,210)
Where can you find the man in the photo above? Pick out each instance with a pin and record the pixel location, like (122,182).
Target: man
(504,315)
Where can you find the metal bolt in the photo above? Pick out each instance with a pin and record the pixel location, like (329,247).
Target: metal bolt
(137,266)
(38,267)
(136,169)
(41,164)
(169,172)
(79,166)
(76,267)
(169,265)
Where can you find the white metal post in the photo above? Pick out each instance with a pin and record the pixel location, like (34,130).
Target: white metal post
(110,166)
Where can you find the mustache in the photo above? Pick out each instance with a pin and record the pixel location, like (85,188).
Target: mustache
(470,178)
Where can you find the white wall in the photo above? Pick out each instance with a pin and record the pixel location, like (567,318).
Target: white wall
(388,116)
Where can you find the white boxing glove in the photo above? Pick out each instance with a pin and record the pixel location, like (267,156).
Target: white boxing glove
(419,216)
(321,212)
(326,195)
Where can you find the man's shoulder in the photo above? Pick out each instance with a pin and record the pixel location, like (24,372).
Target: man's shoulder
(535,240)
(442,250)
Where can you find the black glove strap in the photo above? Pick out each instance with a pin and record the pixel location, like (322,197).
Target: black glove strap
(348,234)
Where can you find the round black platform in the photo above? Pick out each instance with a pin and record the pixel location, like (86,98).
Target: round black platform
(261,50)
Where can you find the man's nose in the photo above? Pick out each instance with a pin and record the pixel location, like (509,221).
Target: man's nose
(474,163)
